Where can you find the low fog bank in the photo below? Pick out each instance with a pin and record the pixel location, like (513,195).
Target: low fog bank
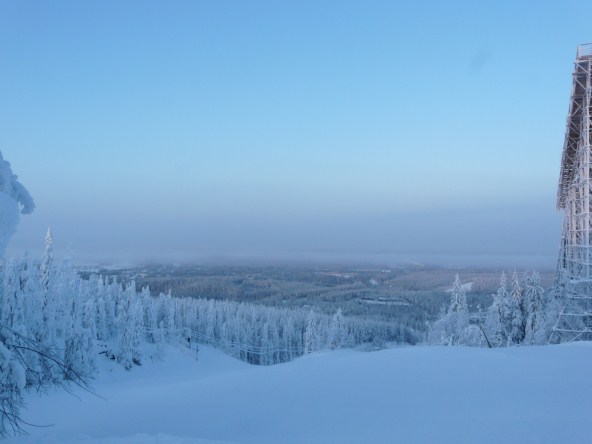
(522,238)
(123,258)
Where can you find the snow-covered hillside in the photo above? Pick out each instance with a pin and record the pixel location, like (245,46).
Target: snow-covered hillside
(401,395)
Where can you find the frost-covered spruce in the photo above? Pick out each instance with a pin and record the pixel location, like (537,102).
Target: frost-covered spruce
(450,328)
(129,328)
(516,313)
(458,306)
(337,330)
(535,332)
(310,334)
(495,319)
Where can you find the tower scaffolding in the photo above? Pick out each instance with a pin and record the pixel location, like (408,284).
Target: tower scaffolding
(574,197)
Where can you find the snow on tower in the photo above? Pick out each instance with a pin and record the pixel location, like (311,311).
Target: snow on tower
(574,197)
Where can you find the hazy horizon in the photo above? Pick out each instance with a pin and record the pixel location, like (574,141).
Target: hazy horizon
(334,129)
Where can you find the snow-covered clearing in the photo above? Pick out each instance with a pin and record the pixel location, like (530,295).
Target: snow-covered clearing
(401,395)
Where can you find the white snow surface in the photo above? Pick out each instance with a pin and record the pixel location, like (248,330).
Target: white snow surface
(400,395)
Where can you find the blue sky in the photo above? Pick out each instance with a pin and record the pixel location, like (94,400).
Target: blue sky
(331,127)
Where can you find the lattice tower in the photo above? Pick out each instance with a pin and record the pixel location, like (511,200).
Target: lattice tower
(574,197)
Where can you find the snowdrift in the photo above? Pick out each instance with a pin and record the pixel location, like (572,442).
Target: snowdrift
(402,395)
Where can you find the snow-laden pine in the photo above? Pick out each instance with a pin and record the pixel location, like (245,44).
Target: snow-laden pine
(518,316)
(453,327)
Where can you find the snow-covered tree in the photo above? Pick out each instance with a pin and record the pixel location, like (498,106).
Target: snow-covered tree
(449,329)
(310,333)
(458,310)
(129,328)
(47,268)
(554,305)
(12,371)
(13,197)
(516,312)
(535,332)
(12,383)
(495,319)
(453,328)
(337,330)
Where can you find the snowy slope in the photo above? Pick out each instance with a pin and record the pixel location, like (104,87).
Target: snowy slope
(402,395)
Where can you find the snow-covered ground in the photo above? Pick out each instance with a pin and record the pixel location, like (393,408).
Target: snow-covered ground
(401,395)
